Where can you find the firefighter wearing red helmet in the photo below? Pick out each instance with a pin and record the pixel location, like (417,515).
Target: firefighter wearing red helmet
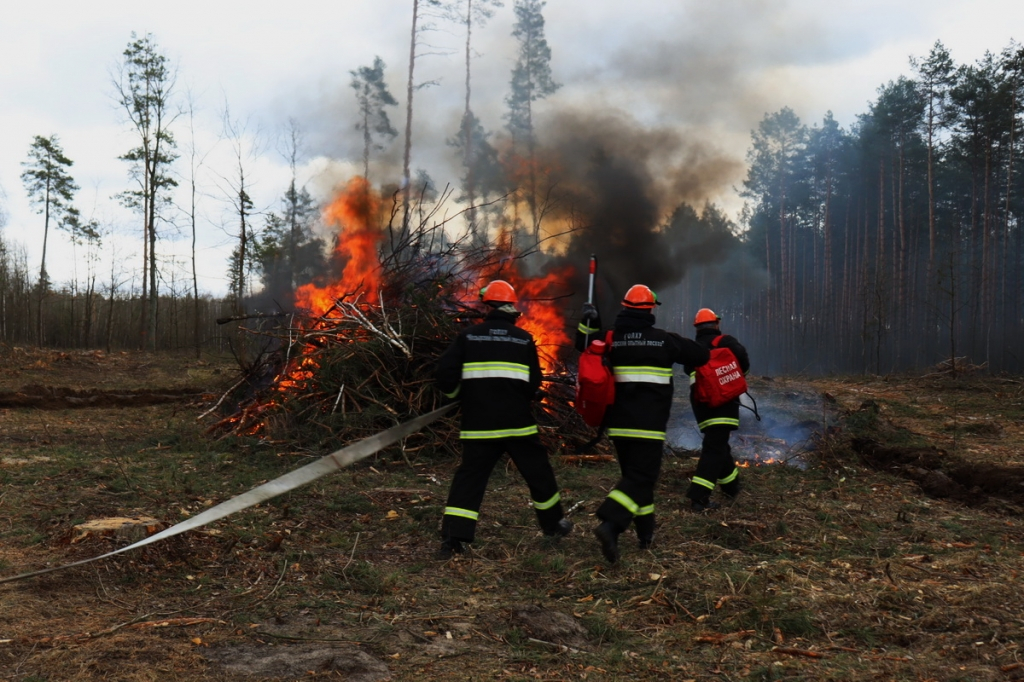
(493,369)
(641,356)
(716,465)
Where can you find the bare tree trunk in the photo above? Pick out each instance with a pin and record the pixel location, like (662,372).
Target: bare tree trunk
(195,271)
(986,248)
(467,124)
(407,155)
(829,312)
(1005,250)
(147,229)
(43,277)
(293,208)
(784,276)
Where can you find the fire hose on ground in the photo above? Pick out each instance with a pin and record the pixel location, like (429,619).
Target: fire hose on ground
(290,481)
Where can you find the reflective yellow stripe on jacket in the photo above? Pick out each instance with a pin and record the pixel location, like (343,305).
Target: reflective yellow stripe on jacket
(644,375)
(495,370)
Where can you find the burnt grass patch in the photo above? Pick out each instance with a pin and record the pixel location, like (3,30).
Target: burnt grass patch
(844,569)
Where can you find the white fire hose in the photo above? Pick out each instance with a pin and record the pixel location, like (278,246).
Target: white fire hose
(290,481)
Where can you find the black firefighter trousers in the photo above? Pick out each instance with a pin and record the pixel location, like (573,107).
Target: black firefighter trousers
(470,482)
(715,466)
(632,498)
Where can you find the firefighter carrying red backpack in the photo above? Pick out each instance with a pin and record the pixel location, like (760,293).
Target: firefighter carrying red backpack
(720,380)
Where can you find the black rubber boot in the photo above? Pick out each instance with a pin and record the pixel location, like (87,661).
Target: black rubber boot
(644,530)
(703,505)
(563,528)
(449,548)
(732,491)
(608,536)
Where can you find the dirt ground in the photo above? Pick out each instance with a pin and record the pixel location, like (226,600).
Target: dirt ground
(879,537)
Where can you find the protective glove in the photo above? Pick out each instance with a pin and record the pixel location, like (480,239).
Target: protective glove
(589,312)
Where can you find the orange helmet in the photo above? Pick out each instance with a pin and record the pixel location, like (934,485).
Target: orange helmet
(705,315)
(498,291)
(641,297)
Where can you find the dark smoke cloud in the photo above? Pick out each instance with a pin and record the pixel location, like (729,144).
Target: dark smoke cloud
(619,183)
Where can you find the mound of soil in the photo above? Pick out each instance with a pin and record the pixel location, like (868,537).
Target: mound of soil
(942,475)
(60,398)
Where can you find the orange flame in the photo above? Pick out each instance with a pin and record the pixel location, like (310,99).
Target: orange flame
(542,315)
(355,211)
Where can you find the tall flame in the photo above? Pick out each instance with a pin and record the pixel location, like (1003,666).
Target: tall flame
(355,211)
(542,314)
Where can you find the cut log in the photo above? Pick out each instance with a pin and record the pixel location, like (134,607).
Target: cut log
(130,528)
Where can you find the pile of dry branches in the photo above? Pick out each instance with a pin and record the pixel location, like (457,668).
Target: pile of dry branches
(320,381)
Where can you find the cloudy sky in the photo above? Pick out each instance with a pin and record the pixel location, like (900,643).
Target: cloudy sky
(707,71)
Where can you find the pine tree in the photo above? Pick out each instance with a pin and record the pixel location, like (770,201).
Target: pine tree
(531,81)
(373,95)
(51,188)
(471,14)
(144,88)
(288,254)
(934,78)
(776,172)
(483,173)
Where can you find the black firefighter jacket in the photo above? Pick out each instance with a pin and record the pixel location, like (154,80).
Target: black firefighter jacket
(641,357)
(727,415)
(492,368)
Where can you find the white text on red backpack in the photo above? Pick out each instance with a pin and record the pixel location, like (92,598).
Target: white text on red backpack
(720,380)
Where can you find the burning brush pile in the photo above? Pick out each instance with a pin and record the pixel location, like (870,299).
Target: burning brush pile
(357,356)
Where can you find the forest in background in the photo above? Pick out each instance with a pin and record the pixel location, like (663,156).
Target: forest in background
(892,245)
(889,246)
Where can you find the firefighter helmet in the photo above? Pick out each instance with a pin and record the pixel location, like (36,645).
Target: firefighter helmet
(704,316)
(499,291)
(641,297)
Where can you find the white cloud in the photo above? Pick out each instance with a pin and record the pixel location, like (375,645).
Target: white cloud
(710,69)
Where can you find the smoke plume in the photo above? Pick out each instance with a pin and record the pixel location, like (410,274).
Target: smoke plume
(617,184)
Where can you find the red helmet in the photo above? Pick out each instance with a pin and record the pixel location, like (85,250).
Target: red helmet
(705,315)
(498,291)
(641,297)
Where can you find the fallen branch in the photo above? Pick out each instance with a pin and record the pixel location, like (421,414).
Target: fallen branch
(174,622)
(721,639)
(798,652)
(576,459)
(218,403)
(561,647)
(254,316)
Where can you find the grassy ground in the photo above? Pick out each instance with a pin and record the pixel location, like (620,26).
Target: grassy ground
(846,569)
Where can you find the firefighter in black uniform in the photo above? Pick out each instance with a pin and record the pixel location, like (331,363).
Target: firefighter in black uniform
(492,368)
(641,356)
(716,465)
